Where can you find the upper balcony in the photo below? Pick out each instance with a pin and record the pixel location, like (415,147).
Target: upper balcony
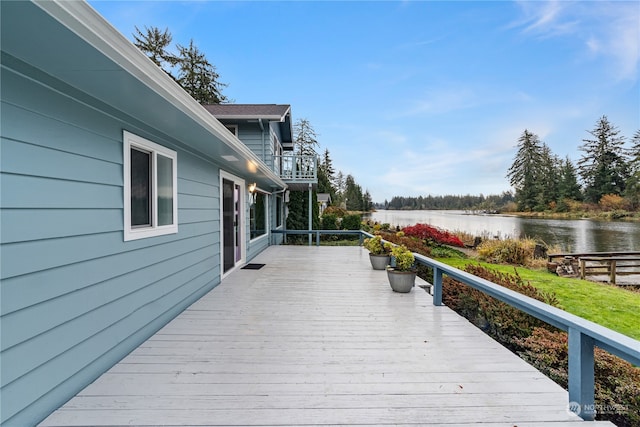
(297,170)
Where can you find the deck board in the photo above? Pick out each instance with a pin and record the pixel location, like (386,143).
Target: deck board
(316,337)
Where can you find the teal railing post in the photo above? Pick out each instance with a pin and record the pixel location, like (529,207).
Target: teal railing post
(317,238)
(581,375)
(437,286)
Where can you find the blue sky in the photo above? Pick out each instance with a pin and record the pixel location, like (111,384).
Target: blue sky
(419,97)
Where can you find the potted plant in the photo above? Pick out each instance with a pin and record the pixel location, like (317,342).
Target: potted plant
(379,252)
(402,276)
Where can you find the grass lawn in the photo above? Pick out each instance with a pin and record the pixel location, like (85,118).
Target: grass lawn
(610,306)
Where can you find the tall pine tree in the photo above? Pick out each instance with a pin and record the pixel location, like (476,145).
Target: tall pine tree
(190,67)
(632,189)
(524,173)
(198,76)
(603,166)
(154,43)
(568,186)
(549,178)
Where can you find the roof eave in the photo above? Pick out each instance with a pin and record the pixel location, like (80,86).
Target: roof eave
(87,24)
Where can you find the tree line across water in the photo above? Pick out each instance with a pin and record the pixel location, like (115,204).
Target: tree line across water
(449,202)
(606,177)
(608,172)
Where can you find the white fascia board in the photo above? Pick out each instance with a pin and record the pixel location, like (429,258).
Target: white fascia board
(286,113)
(249,117)
(80,18)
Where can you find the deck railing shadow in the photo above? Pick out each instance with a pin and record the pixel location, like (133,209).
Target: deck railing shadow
(583,334)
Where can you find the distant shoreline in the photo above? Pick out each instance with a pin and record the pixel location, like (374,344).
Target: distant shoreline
(604,215)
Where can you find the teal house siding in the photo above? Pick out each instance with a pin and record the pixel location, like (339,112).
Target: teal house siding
(255,139)
(75,296)
(257,245)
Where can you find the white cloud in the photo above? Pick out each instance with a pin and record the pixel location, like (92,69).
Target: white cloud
(622,41)
(440,169)
(608,30)
(545,18)
(439,101)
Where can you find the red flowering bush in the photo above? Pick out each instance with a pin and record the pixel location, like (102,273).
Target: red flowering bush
(432,234)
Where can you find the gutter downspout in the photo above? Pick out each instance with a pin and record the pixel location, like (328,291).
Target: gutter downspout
(284,213)
(310,214)
(264,148)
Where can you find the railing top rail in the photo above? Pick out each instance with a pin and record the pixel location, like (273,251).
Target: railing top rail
(316,231)
(586,254)
(612,258)
(612,341)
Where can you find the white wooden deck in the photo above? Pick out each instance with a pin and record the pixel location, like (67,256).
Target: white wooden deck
(316,337)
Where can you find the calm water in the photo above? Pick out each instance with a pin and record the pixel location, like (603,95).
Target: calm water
(570,235)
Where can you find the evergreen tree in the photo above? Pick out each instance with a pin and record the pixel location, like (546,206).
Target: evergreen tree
(634,153)
(568,186)
(367,202)
(327,166)
(326,176)
(524,173)
(603,167)
(353,195)
(198,77)
(632,186)
(339,185)
(154,42)
(298,217)
(549,178)
(195,73)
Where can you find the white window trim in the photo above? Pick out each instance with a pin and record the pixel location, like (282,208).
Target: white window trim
(243,222)
(282,204)
(131,140)
(266,217)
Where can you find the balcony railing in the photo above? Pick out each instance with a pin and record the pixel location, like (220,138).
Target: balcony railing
(297,167)
(584,335)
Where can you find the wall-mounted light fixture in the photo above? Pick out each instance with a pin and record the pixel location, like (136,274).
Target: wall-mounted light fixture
(252,193)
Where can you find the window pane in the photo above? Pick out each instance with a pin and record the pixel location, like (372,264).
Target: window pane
(278,211)
(140,188)
(258,216)
(165,190)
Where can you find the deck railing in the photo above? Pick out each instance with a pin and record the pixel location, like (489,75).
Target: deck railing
(584,335)
(612,264)
(297,167)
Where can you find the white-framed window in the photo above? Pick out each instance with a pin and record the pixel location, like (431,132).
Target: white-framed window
(278,211)
(258,215)
(150,188)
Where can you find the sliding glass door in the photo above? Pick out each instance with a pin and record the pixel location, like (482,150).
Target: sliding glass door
(233,233)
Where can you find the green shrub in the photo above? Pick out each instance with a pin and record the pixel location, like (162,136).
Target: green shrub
(376,246)
(351,222)
(544,347)
(508,251)
(329,221)
(499,320)
(446,252)
(617,388)
(335,210)
(403,258)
